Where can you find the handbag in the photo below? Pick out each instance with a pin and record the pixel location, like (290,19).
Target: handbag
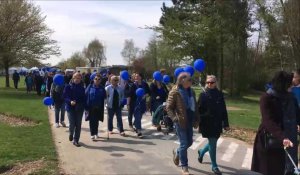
(270,142)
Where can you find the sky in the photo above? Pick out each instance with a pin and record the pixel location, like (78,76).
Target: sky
(76,23)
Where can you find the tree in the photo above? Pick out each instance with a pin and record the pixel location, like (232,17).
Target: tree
(76,60)
(95,53)
(23,35)
(129,51)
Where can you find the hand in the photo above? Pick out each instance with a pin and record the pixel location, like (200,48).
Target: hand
(73,103)
(287,143)
(158,97)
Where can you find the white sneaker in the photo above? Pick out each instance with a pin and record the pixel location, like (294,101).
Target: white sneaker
(56,125)
(93,137)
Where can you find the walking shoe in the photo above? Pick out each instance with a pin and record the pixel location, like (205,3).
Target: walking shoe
(56,125)
(217,171)
(139,134)
(93,137)
(122,134)
(185,170)
(63,124)
(76,144)
(70,138)
(175,158)
(158,128)
(200,159)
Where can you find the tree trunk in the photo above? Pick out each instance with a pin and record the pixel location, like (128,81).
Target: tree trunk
(6,67)
(222,63)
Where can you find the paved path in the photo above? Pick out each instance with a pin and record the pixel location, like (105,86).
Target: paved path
(150,155)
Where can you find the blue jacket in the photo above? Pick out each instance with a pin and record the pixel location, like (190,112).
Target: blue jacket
(95,96)
(74,92)
(110,94)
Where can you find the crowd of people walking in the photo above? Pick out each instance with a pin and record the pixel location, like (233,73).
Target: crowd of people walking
(178,108)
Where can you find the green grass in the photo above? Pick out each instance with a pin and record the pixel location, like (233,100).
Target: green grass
(21,144)
(249,116)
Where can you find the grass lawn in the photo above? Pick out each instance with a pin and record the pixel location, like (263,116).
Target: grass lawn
(26,143)
(248,116)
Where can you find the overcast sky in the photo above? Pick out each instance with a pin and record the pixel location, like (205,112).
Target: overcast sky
(76,23)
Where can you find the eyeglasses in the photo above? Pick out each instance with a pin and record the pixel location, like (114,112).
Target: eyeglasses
(96,79)
(210,82)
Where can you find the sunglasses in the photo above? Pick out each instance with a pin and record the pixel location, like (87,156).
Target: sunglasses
(212,82)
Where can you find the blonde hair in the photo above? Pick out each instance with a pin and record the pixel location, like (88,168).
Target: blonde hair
(182,77)
(214,78)
(76,74)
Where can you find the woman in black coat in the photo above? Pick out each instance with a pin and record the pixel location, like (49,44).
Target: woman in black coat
(213,118)
(272,161)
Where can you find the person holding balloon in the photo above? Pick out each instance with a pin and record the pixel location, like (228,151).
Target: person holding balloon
(56,93)
(159,94)
(139,90)
(115,95)
(74,96)
(182,109)
(95,96)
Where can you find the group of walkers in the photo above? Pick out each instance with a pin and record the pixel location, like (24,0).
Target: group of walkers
(178,105)
(90,95)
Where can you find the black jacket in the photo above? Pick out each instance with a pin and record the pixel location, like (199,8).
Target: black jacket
(213,113)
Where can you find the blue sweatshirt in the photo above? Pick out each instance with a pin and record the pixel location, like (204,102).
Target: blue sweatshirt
(74,92)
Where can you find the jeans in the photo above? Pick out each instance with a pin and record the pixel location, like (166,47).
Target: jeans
(138,119)
(185,136)
(211,146)
(111,112)
(75,119)
(61,109)
(130,114)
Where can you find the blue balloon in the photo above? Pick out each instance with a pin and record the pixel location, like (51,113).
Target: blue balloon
(124,101)
(166,79)
(157,76)
(125,75)
(59,79)
(93,75)
(178,71)
(199,65)
(140,92)
(48,101)
(189,69)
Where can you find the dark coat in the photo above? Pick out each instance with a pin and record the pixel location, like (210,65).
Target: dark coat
(95,97)
(162,93)
(213,113)
(74,92)
(269,162)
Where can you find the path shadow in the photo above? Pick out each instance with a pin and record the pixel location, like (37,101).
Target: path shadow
(130,142)
(111,148)
(225,169)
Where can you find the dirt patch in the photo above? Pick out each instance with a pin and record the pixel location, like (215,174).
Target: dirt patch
(26,168)
(246,135)
(16,121)
(232,108)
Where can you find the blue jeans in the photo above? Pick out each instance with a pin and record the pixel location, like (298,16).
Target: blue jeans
(138,119)
(75,119)
(111,112)
(185,137)
(211,146)
(61,109)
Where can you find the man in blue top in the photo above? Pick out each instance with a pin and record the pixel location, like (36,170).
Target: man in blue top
(16,78)
(115,95)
